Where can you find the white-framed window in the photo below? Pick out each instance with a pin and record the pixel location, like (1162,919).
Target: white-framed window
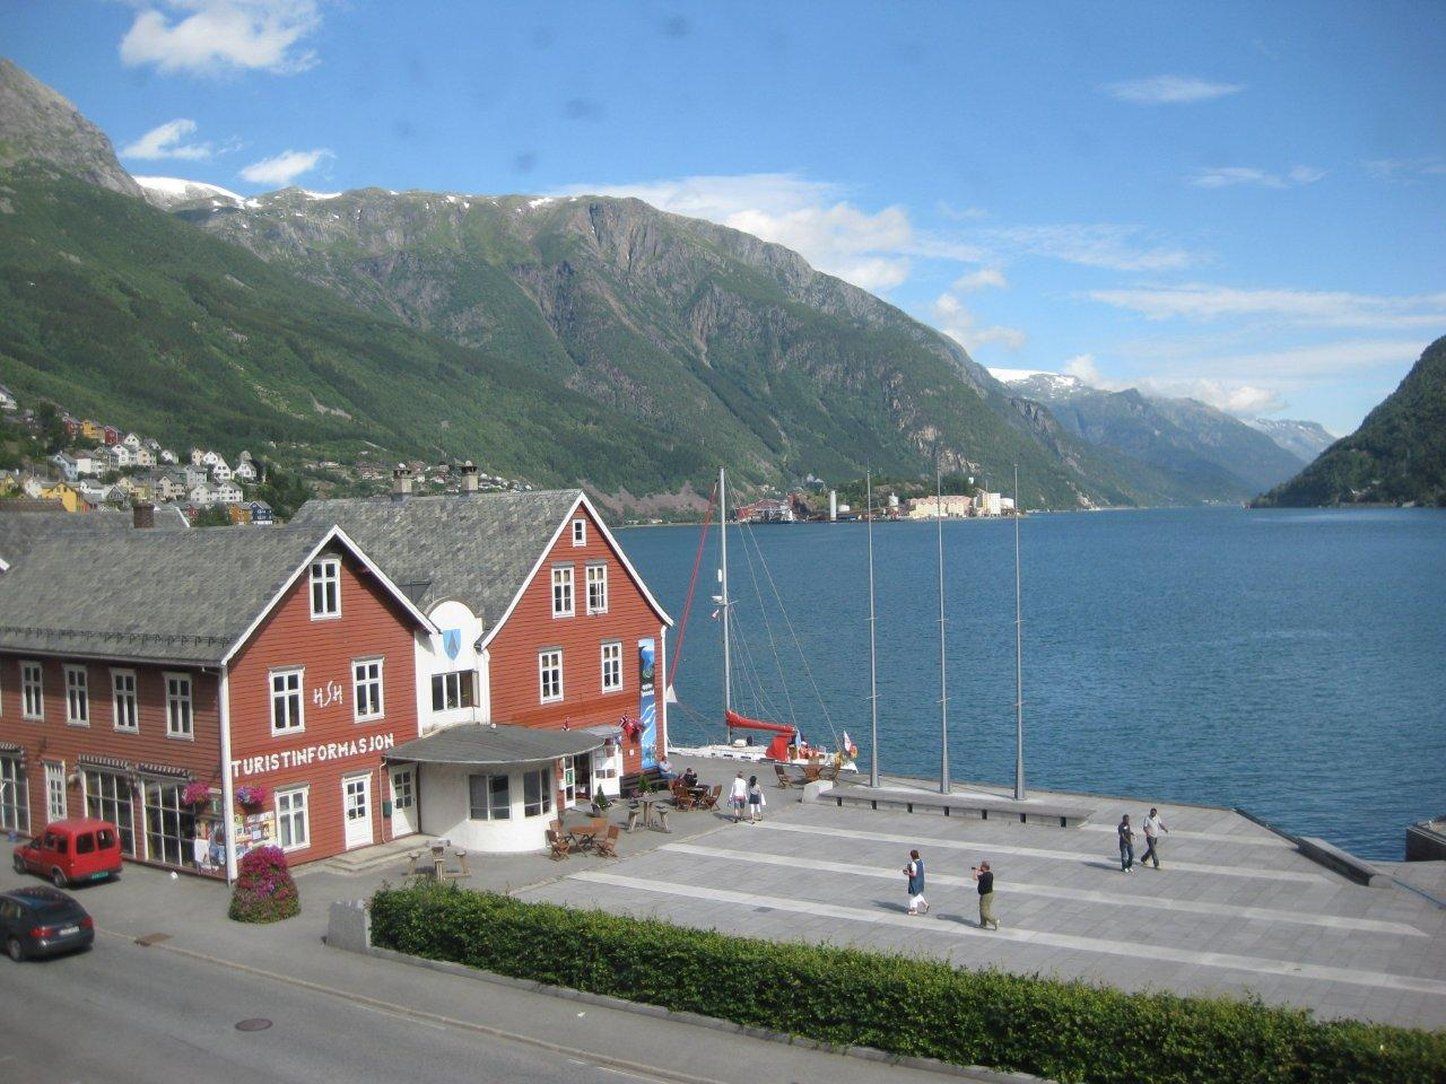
(537,792)
(597,589)
(180,716)
(77,696)
(287,710)
(489,797)
(562,605)
(579,532)
(325,587)
(549,670)
(292,828)
(54,791)
(14,795)
(124,706)
(612,667)
(403,793)
(569,781)
(32,691)
(366,678)
(454,690)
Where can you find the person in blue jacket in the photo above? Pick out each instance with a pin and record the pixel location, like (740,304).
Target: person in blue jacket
(915,872)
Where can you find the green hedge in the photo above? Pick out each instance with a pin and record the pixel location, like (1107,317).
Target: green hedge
(1068,1031)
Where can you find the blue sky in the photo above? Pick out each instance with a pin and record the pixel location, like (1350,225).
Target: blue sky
(1241,202)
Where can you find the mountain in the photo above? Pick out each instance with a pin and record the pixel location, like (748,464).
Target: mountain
(568,341)
(1197,452)
(1397,456)
(1304,440)
(37,124)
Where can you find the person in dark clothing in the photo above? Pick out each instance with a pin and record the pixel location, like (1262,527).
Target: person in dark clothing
(1127,845)
(984,876)
(914,871)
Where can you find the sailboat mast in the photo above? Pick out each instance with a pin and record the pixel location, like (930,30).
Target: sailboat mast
(723,589)
(1018,657)
(873,651)
(944,786)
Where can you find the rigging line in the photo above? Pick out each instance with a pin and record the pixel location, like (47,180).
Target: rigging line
(749,675)
(749,536)
(692,586)
(808,670)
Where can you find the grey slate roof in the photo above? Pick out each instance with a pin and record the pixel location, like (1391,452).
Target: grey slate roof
(480,744)
(476,548)
(22,531)
(163,596)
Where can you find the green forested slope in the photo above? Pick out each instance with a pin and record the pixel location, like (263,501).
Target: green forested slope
(1397,456)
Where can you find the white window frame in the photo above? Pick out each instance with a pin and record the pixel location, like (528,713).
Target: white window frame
(55,797)
(464,681)
(360,682)
(611,657)
(32,690)
(298,802)
(549,661)
(325,573)
(119,696)
(77,696)
(287,675)
(579,532)
(597,577)
(564,597)
(500,813)
(175,703)
(546,796)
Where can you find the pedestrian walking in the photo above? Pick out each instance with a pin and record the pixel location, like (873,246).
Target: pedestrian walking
(738,797)
(915,872)
(1153,827)
(756,801)
(1127,845)
(985,878)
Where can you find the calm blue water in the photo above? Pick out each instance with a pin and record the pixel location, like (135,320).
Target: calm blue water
(1287,662)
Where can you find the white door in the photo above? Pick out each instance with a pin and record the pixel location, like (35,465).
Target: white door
(404,801)
(356,800)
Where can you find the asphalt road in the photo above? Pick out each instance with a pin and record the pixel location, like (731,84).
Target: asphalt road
(123,1012)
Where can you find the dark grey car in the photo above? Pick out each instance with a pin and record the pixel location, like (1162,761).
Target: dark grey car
(43,921)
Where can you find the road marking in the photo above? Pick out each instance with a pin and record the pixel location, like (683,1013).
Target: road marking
(1210,837)
(990,847)
(1134,950)
(1114,899)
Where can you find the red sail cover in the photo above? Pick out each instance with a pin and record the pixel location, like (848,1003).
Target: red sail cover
(742,722)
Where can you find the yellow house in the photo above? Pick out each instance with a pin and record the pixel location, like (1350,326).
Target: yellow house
(68,496)
(91,431)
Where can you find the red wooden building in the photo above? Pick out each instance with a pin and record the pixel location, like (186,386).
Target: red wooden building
(242,687)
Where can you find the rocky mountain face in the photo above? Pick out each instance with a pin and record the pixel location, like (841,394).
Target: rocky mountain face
(705,333)
(1196,451)
(1397,456)
(38,125)
(1304,440)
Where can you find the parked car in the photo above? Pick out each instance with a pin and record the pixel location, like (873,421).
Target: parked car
(40,921)
(72,851)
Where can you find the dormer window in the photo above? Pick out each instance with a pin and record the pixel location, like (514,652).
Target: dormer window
(325,588)
(579,532)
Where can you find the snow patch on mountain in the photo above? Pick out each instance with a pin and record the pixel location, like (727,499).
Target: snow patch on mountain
(168,192)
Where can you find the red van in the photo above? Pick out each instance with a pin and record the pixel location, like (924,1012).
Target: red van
(72,851)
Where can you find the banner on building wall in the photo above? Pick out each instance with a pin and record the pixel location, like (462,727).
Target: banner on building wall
(647,704)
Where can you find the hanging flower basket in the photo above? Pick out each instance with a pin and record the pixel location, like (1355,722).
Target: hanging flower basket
(196,794)
(251,797)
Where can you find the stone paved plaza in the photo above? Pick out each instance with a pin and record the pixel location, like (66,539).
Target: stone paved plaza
(1236,909)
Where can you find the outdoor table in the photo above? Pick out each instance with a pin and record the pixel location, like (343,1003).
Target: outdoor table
(586,836)
(439,859)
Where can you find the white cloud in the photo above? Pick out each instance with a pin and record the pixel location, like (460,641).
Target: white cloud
(1114,247)
(168,141)
(984,278)
(1406,169)
(213,36)
(1229,176)
(1242,400)
(1170,90)
(1316,308)
(1327,359)
(283,168)
(953,319)
(813,218)
(1084,368)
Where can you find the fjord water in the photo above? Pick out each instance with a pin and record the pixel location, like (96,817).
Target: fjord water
(1292,663)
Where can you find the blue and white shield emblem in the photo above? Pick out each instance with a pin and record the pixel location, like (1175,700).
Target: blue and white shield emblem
(452,642)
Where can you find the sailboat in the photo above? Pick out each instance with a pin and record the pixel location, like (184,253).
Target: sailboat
(786,744)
